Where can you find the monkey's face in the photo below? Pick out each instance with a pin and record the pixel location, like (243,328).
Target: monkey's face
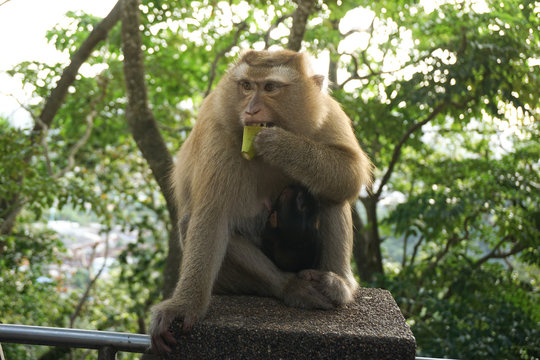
(273,89)
(260,99)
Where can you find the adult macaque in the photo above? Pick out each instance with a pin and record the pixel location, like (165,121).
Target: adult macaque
(291,237)
(308,140)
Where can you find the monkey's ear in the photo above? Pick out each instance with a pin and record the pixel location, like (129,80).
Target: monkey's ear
(318,80)
(273,219)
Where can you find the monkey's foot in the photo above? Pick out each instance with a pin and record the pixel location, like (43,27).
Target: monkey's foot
(331,285)
(314,289)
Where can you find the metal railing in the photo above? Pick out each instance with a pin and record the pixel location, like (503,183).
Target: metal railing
(107,343)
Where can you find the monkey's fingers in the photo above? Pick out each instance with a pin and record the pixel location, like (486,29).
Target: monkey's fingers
(161,343)
(311,275)
(303,294)
(187,323)
(168,337)
(331,285)
(318,300)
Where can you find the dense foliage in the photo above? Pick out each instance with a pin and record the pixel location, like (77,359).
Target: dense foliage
(444,98)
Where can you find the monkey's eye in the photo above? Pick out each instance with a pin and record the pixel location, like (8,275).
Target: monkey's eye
(246,85)
(269,87)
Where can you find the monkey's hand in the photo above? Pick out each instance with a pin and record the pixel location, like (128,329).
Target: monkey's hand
(314,289)
(163,315)
(271,141)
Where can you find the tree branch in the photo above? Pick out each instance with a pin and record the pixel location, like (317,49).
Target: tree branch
(44,130)
(91,283)
(455,239)
(364,52)
(399,146)
(174,130)
(372,73)
(495,254)
(272,28)
(240,27)
(8,221)
(415,249)
(405,243)
(300,16)
(55,99)
(90,123)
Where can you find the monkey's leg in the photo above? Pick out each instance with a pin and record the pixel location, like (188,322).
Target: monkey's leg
(336,229)
(334,277)
(246,270)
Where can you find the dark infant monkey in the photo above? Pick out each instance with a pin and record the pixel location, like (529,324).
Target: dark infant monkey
(291,237)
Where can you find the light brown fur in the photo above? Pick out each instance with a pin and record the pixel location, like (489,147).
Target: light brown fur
(221,196)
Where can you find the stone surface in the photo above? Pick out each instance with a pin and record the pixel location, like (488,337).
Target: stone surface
(243,327)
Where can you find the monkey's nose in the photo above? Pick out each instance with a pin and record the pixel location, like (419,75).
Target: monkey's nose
(252,112)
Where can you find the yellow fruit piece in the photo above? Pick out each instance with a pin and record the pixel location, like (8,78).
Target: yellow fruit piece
(248,150)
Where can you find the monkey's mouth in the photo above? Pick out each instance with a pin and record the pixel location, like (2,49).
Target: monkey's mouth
(265,124)
(262,124)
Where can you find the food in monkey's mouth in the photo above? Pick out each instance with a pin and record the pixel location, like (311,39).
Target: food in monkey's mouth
(248,150)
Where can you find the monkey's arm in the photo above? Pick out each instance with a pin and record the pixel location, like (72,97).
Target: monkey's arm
(332,171)
(205,247)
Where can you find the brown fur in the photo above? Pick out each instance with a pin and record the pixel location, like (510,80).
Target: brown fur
(221,196)
(268,59)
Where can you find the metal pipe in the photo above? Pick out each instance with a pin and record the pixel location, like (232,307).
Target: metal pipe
(89,339)
(107,342)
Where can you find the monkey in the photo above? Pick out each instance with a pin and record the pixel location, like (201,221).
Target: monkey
(309,141)
(291,237)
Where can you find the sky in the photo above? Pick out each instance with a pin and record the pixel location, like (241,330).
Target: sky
(23,25)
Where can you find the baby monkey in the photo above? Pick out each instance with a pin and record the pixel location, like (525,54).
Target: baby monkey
(291,238)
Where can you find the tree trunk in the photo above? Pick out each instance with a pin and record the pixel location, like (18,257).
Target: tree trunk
(367,241)
(145,131)
(300,16)
(333,64)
